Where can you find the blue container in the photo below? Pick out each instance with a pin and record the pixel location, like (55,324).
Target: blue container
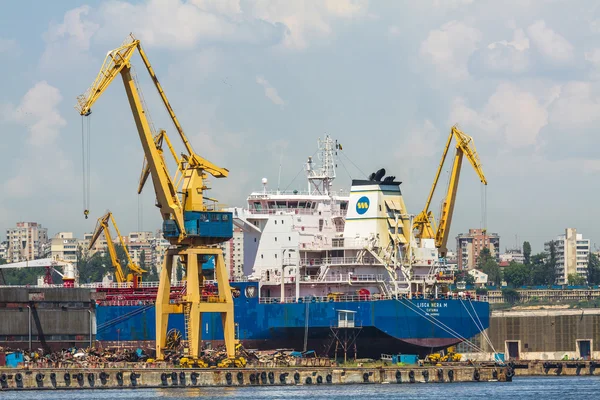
(394,359)
(499,357)
(409,359)
(13,359)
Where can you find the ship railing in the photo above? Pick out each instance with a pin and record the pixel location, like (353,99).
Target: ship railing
(331,278)
(126,285)
(333,297)
(310,262)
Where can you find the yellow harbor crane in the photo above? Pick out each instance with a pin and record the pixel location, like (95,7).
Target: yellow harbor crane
(193,228)
(135,276)
(424,223)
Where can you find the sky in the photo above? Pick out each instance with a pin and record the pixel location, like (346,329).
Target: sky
(256,83)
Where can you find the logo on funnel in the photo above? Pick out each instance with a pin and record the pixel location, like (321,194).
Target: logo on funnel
(362,205)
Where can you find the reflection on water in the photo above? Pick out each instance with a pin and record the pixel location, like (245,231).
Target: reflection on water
(539,388)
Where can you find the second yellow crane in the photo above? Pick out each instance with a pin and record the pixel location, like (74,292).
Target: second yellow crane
(135,274)
(424,223)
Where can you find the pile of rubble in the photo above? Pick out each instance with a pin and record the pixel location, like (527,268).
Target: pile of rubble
(81,358)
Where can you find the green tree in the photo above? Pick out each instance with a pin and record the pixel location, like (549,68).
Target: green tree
(179,270)
(493,271)
(527,252)
(576,280)
(542,273)
(484,256)
(593,270)
(517,275)
(464,276)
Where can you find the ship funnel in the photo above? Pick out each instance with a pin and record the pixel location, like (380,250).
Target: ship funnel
(376,209)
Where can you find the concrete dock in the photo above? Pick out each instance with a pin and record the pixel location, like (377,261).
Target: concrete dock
(73,378)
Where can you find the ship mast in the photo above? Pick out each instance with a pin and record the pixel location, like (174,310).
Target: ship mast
(321,179)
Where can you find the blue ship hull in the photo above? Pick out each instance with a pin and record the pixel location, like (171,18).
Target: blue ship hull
(408,326)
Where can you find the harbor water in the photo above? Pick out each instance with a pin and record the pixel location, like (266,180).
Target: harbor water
(522,388)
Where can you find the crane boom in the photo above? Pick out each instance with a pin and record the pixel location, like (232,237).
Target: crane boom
(424,222)
(136,270)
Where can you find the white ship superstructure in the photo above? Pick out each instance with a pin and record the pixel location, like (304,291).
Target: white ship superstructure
(332,244)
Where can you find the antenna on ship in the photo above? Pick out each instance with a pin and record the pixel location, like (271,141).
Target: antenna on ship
(264,182)
(279,178)
(320,180)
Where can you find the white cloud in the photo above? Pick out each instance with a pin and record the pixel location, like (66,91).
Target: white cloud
(511,115)
(450,47)
(307,20)
(45,168)
(550,44)
(66,41)
(507,56)
(173,23)
(576,111)
(270,91)
(393,31)
(7,45)
(417,146)
(38,111)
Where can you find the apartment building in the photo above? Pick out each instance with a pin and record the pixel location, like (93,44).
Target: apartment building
(572,255)
(63,246)
(233,253)
(26,241)
(470,245)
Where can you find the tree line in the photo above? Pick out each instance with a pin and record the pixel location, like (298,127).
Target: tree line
(536,270)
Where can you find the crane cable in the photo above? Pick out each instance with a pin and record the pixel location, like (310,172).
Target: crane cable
(86,163)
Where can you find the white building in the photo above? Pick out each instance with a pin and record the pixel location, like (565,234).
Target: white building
(572,254)
(3,250)
(63,246)
(26,242)
(159,246)
(515,255)
(233,253)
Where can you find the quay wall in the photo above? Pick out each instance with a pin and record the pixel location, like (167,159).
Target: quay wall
(73,378)
(540,335)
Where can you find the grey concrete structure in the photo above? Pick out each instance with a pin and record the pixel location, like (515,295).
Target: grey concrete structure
(50,318)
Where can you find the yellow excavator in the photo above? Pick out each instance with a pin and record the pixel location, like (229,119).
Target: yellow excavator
(135,274)
(191,222)
(424,223)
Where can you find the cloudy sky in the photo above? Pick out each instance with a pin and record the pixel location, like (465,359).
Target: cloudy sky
(257,82)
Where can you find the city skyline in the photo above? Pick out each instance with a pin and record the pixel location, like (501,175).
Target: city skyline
(257,86)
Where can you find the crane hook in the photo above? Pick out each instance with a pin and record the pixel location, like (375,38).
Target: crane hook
(86,213)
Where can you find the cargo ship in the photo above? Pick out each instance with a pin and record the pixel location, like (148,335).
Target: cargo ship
(324,270)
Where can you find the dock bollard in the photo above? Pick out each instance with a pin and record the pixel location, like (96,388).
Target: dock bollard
(19,380)
(119,377)
(39,379)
